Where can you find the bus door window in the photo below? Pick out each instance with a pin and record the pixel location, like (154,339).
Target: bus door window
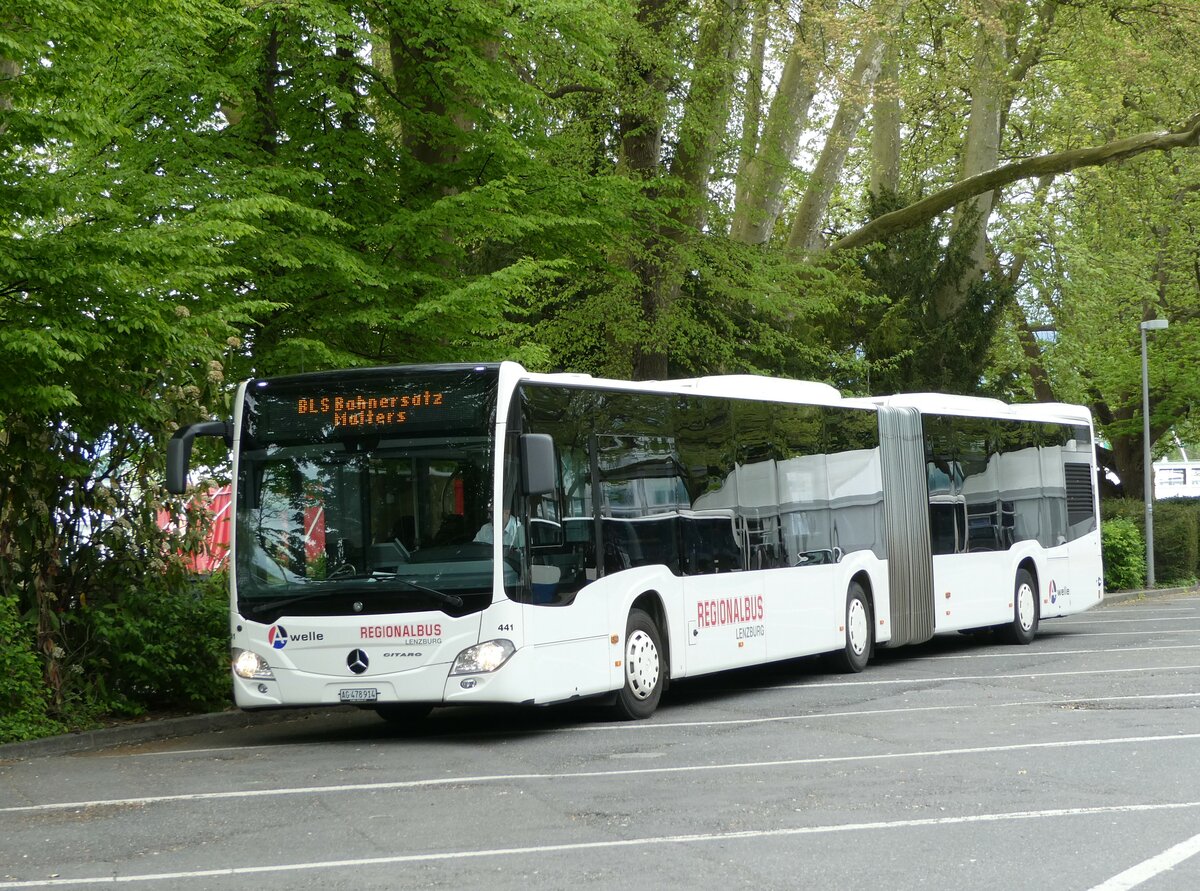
(757,481)
(947,508)
(709,538)
(1020,480)
(978,459)
(1054,484)
(641,493)
(803,486)
(567,552)
(855,481)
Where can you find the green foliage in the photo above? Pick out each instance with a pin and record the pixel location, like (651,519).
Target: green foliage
(1124,551)
(904,335)
(23,697)
(1176,535)
(1126,508)
(155,648)
(1176,542)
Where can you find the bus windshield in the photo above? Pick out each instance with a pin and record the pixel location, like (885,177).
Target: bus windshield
(365,494)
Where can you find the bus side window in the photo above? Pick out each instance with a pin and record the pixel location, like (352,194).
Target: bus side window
(562,528)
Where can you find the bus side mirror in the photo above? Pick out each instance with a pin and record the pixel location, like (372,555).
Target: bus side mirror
(539,469)
(179,451)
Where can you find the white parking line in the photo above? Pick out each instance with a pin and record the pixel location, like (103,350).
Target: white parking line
(740,835)
(1029,651)
(973,677)
(645,725)
(1148,869)
(633,727)
(1160,631)
(1085,619)
(1149,609)
(594,774)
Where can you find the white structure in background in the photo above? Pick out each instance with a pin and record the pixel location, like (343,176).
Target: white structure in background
(1177,479)
(1177,476)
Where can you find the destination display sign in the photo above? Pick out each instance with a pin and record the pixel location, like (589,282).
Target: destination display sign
(359,410)
(388,403)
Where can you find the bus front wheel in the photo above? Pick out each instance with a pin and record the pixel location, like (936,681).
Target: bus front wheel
(644,668)
(1024,626)
(856,653)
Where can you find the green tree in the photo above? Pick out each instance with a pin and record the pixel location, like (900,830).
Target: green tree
(116,308)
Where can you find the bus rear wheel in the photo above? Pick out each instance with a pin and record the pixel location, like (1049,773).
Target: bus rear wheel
(856,653)
(644,669)
(1023,628)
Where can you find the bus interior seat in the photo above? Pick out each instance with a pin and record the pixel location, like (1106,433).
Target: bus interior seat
(544,578)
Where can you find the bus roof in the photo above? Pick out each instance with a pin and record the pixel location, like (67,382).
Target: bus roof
(731,386)
(985,406)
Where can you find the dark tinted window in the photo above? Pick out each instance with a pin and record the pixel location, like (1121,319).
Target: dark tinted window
(709,538)
(993,483)
(855,485)
(564,559)
(803,485)
(757,483)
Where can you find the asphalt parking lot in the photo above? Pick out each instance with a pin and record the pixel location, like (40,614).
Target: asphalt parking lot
(963,763)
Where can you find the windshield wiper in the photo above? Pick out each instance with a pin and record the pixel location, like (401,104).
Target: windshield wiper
(443,596)
(365,585)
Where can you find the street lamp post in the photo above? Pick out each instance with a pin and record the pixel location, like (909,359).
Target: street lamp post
(1148,470)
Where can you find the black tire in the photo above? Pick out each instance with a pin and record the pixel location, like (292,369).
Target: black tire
(404,713)
(645,669)
(1026,611)
(860,628)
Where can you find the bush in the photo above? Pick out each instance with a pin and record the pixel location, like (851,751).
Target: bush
(24,702)
(1124,554)
(1126,508)
(158,649)
(1176,534)
(1192,506)
(1176,542)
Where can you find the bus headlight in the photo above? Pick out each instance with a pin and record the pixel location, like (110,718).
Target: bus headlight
(250,665)
(484,657)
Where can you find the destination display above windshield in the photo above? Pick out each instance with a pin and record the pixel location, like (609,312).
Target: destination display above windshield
(368,411)
(332,406)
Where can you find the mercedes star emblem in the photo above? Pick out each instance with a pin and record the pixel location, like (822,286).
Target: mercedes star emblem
(357,660)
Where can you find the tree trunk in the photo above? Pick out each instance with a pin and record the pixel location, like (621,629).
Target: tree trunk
(645,80)
(701,132)
(805,234)
(752,105)
(10,70)
(267,116)
(1042,391)
(884,227)
(706,110)
(981,153)
(885,129)
(1127,453)
(761,182)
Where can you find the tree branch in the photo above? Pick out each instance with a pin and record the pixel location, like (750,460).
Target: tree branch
(889,224)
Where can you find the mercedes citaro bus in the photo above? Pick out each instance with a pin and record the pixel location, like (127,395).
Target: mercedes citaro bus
(408,537)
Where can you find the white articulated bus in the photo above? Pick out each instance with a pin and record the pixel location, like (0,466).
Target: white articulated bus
(439,535)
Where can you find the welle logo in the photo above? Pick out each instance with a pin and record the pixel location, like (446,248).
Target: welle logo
(277,637)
